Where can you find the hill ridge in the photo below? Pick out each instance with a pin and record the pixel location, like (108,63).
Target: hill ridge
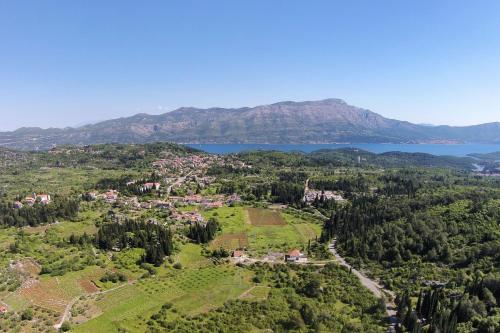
(329,120)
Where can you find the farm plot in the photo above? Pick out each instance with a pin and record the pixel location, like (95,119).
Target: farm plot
(308,231)
(264,217)
(261,230)
(256,293)
(191,291)
(230,241)
(55,293)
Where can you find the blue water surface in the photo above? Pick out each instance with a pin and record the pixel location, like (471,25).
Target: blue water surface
(434,149)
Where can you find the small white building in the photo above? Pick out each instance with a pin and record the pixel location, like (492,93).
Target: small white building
(151,186)
(295,256)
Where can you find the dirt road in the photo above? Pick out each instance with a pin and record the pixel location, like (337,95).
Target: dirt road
(67,311)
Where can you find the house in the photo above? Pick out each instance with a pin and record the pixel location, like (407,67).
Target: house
(214,204)
(239,255)
(193,199)
(233,198)
(110,196)
(151,186)
(296,256)
(18,204)
(311,195)
(30,201)
(43,198)
(3,309)
(130,202)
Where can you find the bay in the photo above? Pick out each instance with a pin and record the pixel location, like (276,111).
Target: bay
(434,149)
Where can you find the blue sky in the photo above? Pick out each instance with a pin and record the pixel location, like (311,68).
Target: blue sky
(64,63)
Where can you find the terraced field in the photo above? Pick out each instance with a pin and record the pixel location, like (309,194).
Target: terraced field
(191,291)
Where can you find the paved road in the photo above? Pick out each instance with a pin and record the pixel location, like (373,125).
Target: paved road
(372,285)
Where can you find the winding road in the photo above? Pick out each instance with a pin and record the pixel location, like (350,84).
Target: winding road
(372,285)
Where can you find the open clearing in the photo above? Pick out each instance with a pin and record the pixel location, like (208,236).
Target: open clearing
(261,230)
(230,241)
(264,217)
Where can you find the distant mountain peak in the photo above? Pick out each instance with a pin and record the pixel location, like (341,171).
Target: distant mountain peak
(329,120)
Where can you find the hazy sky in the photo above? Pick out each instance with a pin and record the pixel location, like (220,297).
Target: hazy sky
(68,62)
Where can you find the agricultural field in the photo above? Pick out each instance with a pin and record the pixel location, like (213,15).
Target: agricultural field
(192,290)
(264,217)
(261,230)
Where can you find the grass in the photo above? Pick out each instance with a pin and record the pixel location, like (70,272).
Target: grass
(62,181)
(267,236)
(190,256)
(264,217)
(191,290)
(256,293)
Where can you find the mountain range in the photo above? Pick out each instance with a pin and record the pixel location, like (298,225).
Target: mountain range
(325,121)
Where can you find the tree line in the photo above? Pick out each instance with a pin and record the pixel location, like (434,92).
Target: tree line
(155,239)
(59,208)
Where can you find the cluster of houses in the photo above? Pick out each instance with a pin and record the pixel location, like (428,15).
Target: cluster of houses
(311,195)
(216,201)
(42,198)
(198,164)
(184,164)
(187,217)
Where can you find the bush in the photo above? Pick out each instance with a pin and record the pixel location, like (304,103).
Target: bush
(65,327)
(177,265)
(113,277)
(27,314)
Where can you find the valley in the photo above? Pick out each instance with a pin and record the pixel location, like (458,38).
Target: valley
(161,237)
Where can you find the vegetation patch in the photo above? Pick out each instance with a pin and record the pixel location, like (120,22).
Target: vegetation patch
(264,217)
(230,241)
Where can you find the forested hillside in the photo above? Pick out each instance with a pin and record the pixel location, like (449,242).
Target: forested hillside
(157,237)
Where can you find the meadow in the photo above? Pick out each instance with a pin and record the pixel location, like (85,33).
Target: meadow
(197,287)
(261,230)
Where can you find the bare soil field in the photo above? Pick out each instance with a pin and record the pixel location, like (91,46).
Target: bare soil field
(27,267)
(47,295)
(231,241)
(264,217)
(88,286)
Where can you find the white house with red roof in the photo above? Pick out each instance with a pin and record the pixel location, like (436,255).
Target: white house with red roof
(296,256)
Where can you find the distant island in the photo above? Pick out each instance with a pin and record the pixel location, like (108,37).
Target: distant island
(325,121)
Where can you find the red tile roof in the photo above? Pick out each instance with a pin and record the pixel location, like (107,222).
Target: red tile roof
(294,253)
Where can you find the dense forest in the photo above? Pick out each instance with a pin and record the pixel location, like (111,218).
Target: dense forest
(422,229)
(60,208)
(156,240)
(203,233)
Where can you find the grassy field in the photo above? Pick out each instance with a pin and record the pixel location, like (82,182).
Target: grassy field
(264,217)
(191,290)
(271,230)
